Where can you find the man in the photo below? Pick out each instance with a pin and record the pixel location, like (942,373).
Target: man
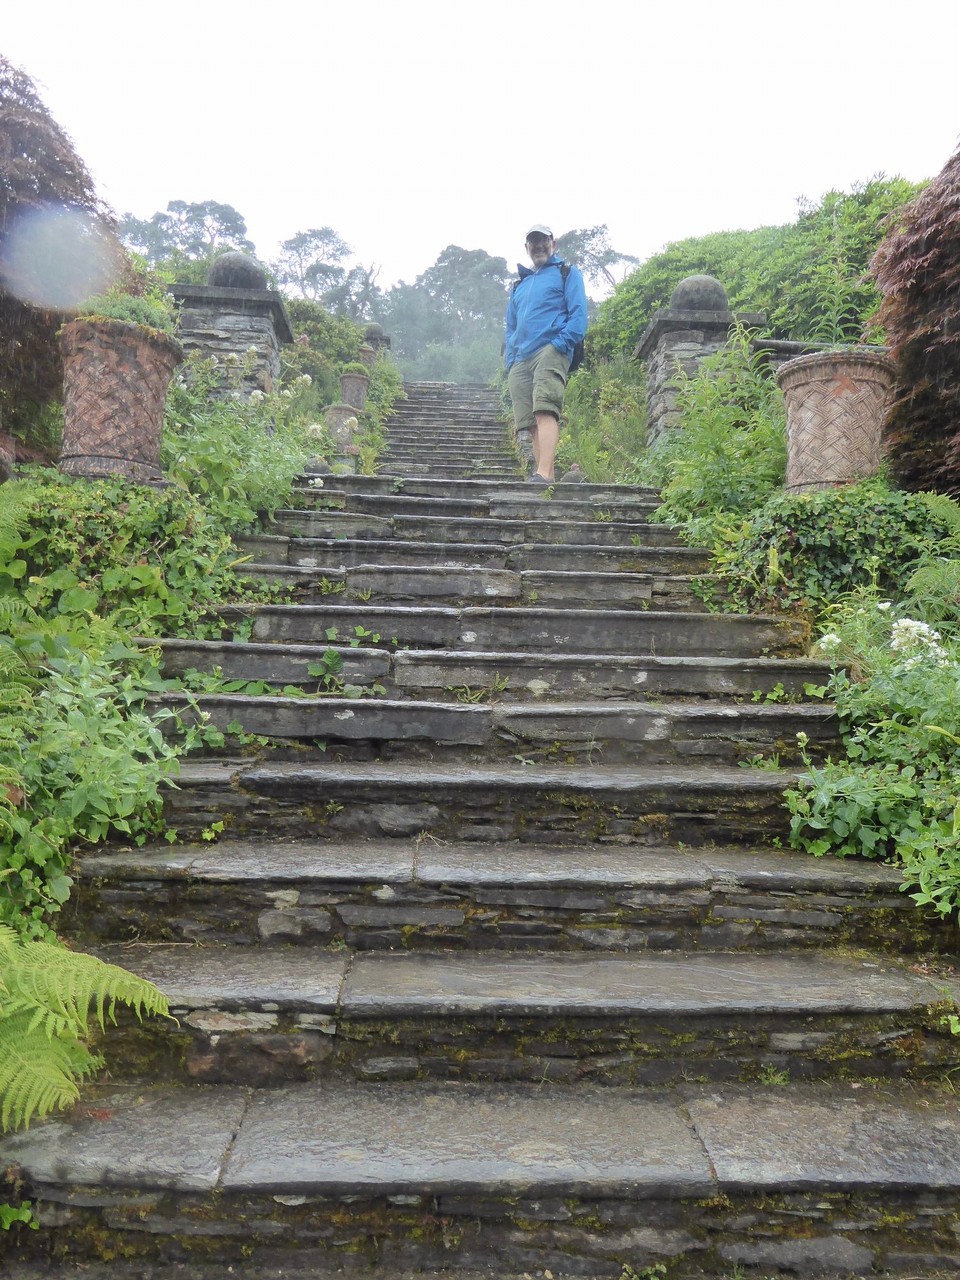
(546,318)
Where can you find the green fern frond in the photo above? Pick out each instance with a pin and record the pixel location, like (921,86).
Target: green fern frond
(945,509)
(58,988)
(47,994)
(38,1075)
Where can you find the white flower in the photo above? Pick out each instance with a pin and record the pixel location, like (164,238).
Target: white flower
(829,642)
(305,380)
(257,397)
(315,431)
(883,604)
(316,482)
(286,394)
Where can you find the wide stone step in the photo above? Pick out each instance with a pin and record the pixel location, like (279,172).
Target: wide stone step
(566,503)
(390,582)
(382,583)
(269,1015)
(333,554)
(426,487)
(463,729)
(541,630)
(412,894)
(562,528)
(512,801)
(803,1179)
(508,676)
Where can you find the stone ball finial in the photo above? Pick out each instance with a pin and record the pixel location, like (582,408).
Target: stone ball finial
(699,293)
(236,270)
(373,330)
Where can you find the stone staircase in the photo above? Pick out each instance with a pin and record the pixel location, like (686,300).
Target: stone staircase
(498,964)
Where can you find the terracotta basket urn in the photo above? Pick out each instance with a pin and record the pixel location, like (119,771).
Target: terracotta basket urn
(115,383)
(836,403)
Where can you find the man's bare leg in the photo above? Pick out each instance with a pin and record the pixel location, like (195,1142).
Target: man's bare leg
(545,438)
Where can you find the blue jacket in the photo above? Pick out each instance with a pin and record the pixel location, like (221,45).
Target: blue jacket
(542,309)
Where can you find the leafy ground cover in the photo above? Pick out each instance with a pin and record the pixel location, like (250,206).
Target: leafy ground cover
(88,570)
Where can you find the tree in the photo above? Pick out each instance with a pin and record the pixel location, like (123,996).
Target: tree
(40,174)
(311,262)
(590,249)
(358,295)
(456,304)
(917,268)
(187,233)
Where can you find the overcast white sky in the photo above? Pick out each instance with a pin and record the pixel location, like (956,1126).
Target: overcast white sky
(410,126)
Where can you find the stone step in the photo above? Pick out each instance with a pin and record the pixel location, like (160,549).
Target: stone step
(450,584)
(564,528)
(566,503)
(462,729)
(388,582)
(544,523)
(511,676)
(806,1179)
(270,1015)
(334,554)
(408,895)
(449,443)
(509,801)
(426,487)
(538,629)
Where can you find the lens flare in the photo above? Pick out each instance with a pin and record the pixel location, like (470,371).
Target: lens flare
(56,257)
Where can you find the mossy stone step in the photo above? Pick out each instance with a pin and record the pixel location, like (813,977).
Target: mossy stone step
(387,581)
(538,630)
(514,676)
(271,1014)
(807,1179)
(466,727)
(411,894)
(509,801)
(334,553)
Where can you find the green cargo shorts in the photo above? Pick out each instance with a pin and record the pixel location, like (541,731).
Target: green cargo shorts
(537,385)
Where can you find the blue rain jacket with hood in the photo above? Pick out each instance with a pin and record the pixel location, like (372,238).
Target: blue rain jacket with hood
(543,309)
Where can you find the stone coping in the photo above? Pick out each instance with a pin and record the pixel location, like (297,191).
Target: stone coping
(668,318)
(255,301)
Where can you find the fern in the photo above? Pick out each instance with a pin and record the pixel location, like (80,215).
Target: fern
(47,995)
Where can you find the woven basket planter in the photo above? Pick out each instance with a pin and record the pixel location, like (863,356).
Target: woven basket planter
(836,403)
(115,383)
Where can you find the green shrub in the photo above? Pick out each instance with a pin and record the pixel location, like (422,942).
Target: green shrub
(605,420)
(239,456)
(729,451)
(810,550)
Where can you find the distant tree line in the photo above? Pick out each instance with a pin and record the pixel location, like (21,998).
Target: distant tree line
(447,324)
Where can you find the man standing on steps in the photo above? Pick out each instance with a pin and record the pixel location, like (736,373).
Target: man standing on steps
(546,319)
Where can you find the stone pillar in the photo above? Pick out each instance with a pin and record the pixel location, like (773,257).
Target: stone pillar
(374,336)
(235,317)
(696,324)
